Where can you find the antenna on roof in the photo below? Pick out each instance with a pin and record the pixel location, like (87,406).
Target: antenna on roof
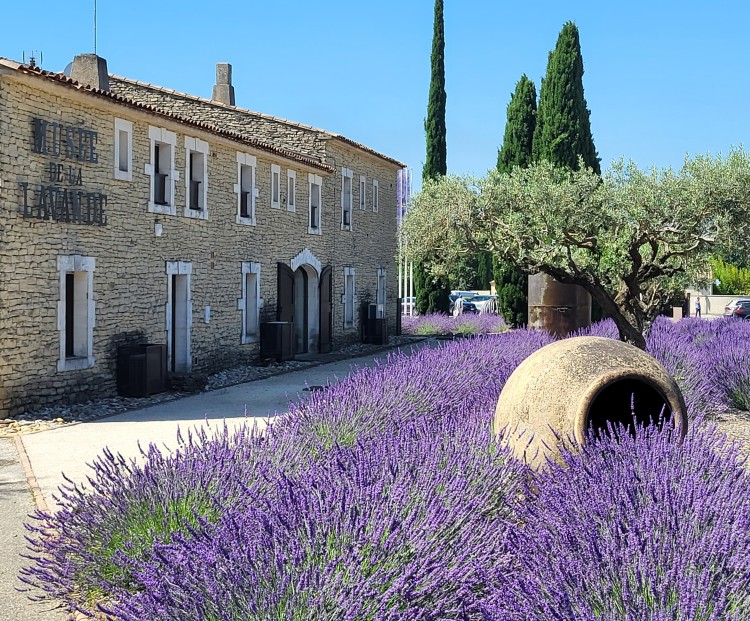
(94,26)
(32,58)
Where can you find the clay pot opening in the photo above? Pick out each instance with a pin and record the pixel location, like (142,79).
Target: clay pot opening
(624,402)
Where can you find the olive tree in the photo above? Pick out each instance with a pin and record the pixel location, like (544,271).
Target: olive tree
(628,237)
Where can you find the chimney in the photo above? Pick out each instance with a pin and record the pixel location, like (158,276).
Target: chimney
(223,89)
(91,70)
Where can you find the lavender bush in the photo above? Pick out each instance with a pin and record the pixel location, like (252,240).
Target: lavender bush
(438,323)
(299,518)
(631,529)
(396,527)
(104,531)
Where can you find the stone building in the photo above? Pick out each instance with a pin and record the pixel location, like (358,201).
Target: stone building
(134,214)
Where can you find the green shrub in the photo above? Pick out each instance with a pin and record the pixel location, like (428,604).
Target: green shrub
(733,280)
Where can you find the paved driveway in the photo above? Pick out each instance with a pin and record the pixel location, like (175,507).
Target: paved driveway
(69,449)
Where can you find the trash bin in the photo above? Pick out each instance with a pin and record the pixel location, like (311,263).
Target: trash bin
(375,327)
(276,340)
(141,370)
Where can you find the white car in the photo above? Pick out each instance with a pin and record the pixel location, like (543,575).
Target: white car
(733,308)
(485,303)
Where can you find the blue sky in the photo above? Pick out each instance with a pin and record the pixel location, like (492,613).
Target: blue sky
(662,78)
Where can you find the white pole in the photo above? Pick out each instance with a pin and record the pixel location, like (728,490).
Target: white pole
(411,286)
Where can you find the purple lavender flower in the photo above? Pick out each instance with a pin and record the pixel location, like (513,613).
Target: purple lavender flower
(396,527)
(633,528)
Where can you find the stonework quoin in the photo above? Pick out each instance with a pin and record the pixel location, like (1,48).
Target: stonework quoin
(577,386)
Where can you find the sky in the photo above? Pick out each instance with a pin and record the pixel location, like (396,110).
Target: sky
(664,79)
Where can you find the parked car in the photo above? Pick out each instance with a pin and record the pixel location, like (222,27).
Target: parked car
(462,295)
(481,303)
(738,308)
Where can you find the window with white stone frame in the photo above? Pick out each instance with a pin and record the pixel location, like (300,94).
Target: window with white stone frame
(291,190)
(245,189)
(375,197)
(362,191)
(348,299)
(161,171)
(346,199)
(123,150)
(250,303)
(380,293)
(76,312)
(315,204)
(196,178)
(275,186)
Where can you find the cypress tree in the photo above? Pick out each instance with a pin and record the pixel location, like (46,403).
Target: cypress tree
(519,127)
(510,284)
(436,163)
(432,292)
(512,298)
(563,128)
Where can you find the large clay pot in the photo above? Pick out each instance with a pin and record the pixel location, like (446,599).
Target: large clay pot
(574,386)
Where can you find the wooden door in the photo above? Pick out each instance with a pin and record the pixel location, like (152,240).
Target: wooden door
(284,293)
(326,297)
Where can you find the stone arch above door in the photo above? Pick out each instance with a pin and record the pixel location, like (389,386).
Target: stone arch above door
(306,258)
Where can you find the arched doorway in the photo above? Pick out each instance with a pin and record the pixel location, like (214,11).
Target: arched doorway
(306,305)
(304,298)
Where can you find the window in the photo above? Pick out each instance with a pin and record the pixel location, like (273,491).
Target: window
(291,190)
(348,299)
(161,170)
(362,191)
(375,197)
(196,173)
(315,183)
(75,312)
(123,150)
(275,182)
(245,189)
(346,199)
(380,294)
(251,302)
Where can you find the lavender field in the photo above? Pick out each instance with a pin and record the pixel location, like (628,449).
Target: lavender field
(386,497)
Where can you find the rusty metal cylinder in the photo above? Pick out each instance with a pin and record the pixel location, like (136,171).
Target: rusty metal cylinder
(557,308)
(574,387)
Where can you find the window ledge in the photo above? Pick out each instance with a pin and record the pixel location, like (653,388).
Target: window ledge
(74,364)
(245,221)
(167,210)
(197,214)
(123,175)
(251,338)
(313,231)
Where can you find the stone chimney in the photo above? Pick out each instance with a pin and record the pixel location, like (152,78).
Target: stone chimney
(91,70)
(223,89)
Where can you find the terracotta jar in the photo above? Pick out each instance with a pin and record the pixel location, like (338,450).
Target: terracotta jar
(578,386)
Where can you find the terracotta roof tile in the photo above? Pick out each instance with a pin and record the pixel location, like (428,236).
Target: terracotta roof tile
(261,115)
(257,144)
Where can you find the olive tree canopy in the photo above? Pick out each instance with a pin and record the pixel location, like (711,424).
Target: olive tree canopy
(629,237)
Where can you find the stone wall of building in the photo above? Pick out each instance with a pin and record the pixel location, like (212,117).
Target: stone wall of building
(130,279)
